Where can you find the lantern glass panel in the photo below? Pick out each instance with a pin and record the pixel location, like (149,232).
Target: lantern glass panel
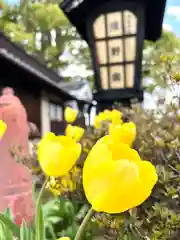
(130,72)
(130,48)
(116,76)
(115,48)
(115,37)
(101,48)
(104,77)
(99,27)
(114,24)
(130,23)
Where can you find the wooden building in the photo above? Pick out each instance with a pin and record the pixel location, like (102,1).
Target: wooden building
(35,85)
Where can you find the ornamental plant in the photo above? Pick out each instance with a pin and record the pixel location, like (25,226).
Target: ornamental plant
(157,139)
(115,179)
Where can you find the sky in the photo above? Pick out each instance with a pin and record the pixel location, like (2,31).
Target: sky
(172,16)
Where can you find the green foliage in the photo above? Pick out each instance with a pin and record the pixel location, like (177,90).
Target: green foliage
(158,140)
(63,217)
(7,227)
(167,46)
(45,17)
(40,230)
(23,23)
(158,218)
(58,217)
(81,55)
(25,232)
(11,231)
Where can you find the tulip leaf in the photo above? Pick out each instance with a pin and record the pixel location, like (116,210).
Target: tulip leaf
(24,231)
(8,213)
(40,230)
(5,231)
(10,225)
(51,230)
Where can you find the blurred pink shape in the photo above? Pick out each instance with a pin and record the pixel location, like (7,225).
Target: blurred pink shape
(15,179)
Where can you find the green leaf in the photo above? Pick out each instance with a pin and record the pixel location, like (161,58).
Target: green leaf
(69,209)
(2,230)
(31,235)
(5,232)
(51,230)
(24,231)
(8,213)
(10,225)
(40,230)
(34,193)
(54,219)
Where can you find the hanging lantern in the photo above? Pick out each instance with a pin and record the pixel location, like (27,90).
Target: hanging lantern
(115,31)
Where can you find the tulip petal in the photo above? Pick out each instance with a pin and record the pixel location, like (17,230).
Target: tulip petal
(64,238)
(49,136)
(115,187)
(125,133)
(3,128)
(119,150)
(74,132)
(116,117)
(58,155)
(121,183)
(70,115)
(115,179)
(97,122)
(147,173)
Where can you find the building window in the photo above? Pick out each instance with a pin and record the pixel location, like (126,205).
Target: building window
(56,112)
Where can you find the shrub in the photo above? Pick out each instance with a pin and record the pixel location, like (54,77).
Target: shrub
(157,140)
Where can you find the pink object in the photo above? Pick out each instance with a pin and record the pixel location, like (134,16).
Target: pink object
(15,179)
(21,210)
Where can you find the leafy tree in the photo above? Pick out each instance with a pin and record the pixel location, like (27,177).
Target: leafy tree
(41,28)
(161,59)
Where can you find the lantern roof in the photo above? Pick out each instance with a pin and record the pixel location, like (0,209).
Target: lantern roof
(78,12)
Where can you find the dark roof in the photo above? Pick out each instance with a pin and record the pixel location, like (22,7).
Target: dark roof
(78,11)
(18,50)
(46,78)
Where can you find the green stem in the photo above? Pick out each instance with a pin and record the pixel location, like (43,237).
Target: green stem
(38,201)
(81,229)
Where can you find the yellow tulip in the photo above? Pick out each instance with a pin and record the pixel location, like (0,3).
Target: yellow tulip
(115,179)
(107,114)
(57,154)
(111,128)
(125,133)
(70,114)
(3,128)
(113,116)
(101,117)
(74,132)
(64,238)
(97,122)
(116,117)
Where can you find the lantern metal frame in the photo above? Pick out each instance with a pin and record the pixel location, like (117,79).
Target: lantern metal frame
(78,12)
(119,93)
(82,14)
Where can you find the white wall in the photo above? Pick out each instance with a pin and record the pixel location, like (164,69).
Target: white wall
(45,114)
